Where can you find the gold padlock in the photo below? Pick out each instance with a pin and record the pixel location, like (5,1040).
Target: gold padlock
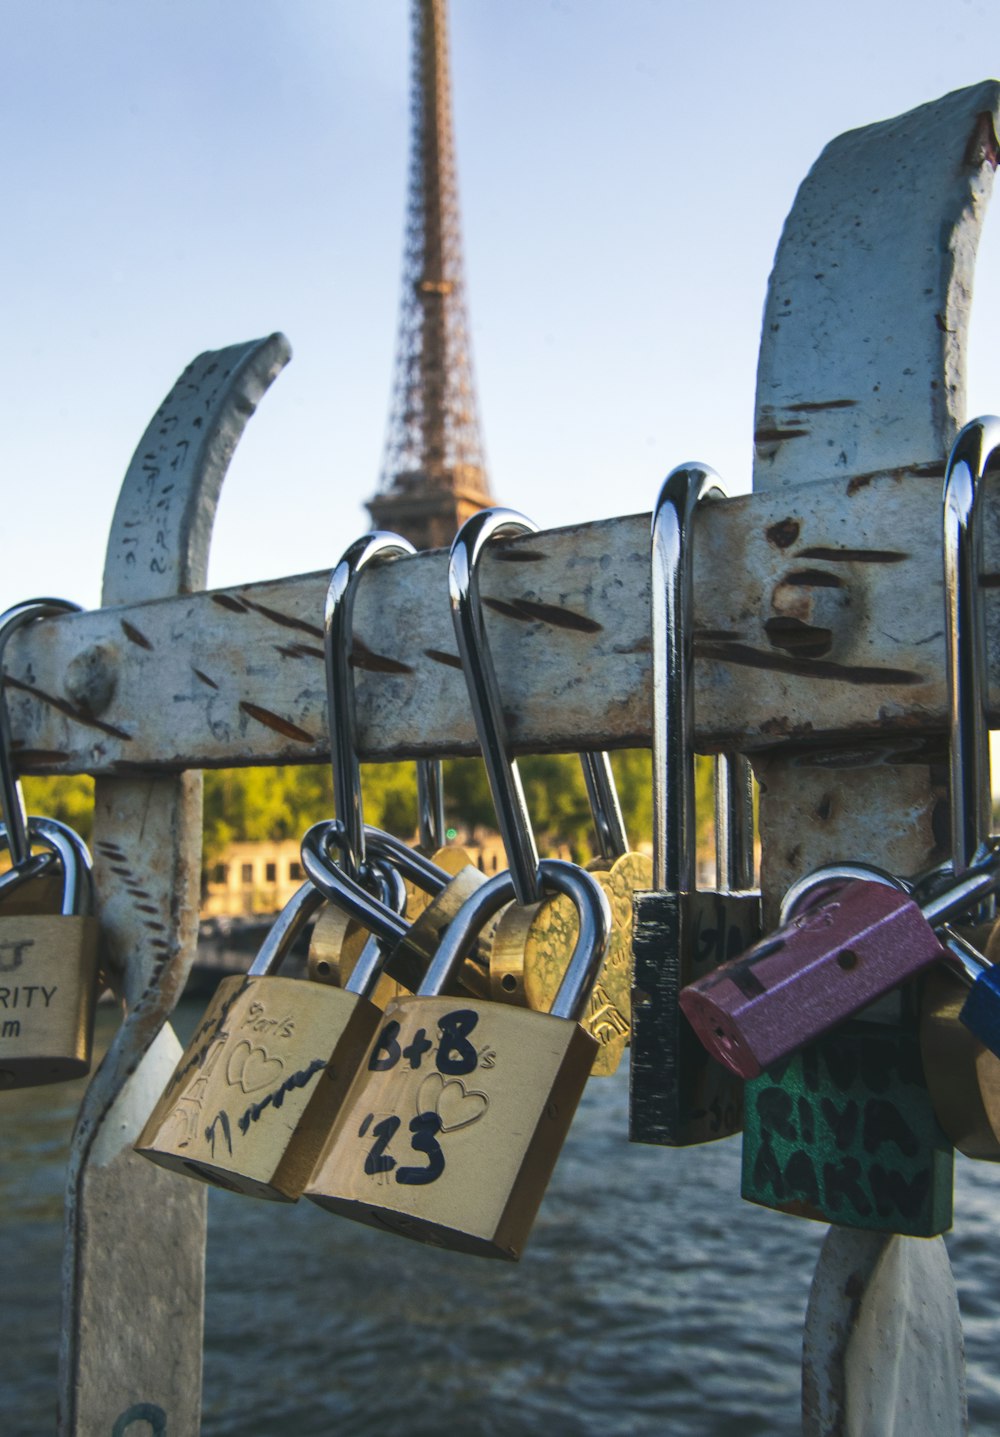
(409,946)
(525,962)
(48,966)
(339,938)
(256,1091)
(454,1124)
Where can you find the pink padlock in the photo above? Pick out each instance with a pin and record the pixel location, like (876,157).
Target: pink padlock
(834,959)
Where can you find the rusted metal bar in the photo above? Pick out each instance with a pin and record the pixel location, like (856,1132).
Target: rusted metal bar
(818,620)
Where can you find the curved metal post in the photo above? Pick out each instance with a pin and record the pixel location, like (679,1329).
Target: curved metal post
(862,374)
(133,1274)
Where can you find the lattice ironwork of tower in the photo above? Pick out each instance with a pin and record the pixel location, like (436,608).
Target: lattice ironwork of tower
(433,472)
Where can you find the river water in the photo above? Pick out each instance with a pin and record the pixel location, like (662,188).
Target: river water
(650,1299)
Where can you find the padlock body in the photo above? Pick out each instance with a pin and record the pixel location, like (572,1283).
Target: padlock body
(453,1127)
(532,945)
(803,979)
(963,1074)
(48,992)
(256,1091)
(678,1093)
(336,945)
(844,1131)
(337,940)
(429,918)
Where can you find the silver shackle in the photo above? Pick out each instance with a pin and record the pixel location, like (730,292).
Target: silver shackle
(965,638)
(487,708)
(11,800)
(672,603)
(585,961)
(338,643)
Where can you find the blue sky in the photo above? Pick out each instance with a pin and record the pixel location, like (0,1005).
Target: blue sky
(182,176)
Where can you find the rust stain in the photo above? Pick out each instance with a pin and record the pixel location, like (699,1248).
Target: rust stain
(711,636)
(860,481)
(70,712)
(287,621)
(855,556)
(204,678)
(797,637)
(748,657)
(299,651)
(499,606)
(814,579)
(983,148)
(362,657)
(784,533)
(136,636)
(147,908)
(451,661)
(226,601)
(277,723)
(816,405)
(40,755)
(558,617)
(529,609)
(519,556)
(772,436)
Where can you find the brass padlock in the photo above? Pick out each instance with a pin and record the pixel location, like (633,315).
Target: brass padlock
(535,928)
(256,1091)
(48,966)
(453,1127)
(406,959)
(408,948)
(525,960)
(339,938)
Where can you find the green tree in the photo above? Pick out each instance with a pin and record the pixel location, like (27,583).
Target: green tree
(66,797)
(280,803)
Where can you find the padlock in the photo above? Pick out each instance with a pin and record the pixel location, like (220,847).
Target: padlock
(48,935)
(338,939)
(404,963)
(678,1095)
(453,1127)
(525,963)
(256,1090)
(537,925)
(408,948)
(843,1130)
(959,1029)
(48,967)
(826,965)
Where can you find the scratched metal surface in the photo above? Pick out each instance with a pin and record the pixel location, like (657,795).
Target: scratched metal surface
(862,370)
(132,1287)
(828,623)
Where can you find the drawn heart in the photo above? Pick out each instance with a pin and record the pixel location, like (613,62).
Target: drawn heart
(455,1106)
(252,1068)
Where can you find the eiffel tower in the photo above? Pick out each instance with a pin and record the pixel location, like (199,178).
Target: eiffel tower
(433,472)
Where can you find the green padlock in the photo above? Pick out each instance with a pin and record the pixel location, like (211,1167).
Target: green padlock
(843,1130)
